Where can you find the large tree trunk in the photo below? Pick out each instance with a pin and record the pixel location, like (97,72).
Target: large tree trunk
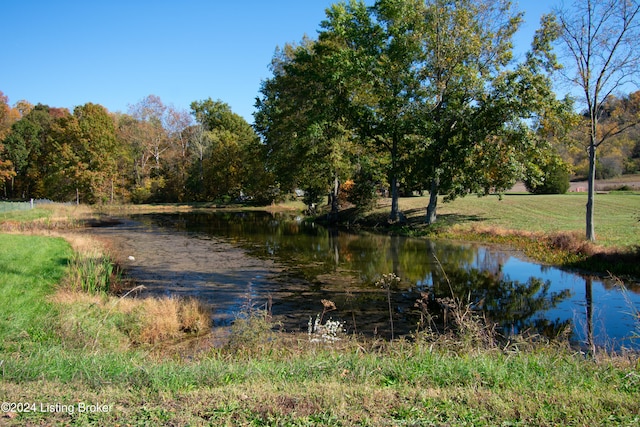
(591,191)
(395,210)
(433,202)
(334,201)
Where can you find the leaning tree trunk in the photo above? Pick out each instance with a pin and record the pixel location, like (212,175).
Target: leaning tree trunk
(433,202)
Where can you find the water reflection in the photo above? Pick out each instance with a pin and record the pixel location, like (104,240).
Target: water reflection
(322,263)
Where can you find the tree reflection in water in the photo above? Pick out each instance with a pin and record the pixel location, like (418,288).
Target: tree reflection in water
(515,306)
(319,263)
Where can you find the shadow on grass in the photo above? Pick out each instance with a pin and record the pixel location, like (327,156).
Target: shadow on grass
(444,220)
(412,218)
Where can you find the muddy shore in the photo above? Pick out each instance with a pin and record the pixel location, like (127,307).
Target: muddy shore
(185,265)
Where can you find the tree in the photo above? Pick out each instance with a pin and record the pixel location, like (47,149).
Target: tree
(97,128)
(150,142)
(307,143)
(475,102)
(375,59)
(84,163)
(23,107)
(554,179)
(8,116)
(178,126)
(6,167)
(428,86)
(200,141)
(27,147)
(600,39)
(221,147)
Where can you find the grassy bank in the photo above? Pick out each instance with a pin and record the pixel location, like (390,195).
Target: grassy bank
(30,268)
(45,218)
(294,383)
(79,356)
(549,228)
(617,215)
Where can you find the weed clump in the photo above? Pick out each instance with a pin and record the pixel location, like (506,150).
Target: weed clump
(253,326)
(93,273)
(328,332)
(387,282)
(572,243)
(108,322)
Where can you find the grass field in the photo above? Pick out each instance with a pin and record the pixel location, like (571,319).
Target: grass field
(548,228)
(617,215)
(9,213)
(30,267)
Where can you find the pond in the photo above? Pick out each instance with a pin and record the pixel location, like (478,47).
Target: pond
(239,260)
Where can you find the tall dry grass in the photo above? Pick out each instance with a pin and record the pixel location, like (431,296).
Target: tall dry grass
(165,318)
(46,218)
(107,322)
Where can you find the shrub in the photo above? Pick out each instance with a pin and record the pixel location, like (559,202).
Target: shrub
(250,331)
(609,167)
(554,178)
(362,190)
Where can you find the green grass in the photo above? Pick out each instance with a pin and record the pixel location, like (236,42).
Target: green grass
(283,379)
(617,215)
(30,266)
(293,383)
(616,218)
(548,228)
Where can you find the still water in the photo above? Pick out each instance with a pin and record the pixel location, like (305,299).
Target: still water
(236,260)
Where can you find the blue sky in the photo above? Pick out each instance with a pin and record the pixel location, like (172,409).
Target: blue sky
(116,52)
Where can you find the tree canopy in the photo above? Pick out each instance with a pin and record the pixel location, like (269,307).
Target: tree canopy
(430,87)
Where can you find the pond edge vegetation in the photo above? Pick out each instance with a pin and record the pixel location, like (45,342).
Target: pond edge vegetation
(567,249)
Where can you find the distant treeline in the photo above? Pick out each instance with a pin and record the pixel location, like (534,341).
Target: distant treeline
(154,153)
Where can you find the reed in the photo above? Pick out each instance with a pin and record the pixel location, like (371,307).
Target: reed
(92,273)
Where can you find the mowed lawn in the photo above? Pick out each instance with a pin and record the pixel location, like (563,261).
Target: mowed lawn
(30,268)
(617,215)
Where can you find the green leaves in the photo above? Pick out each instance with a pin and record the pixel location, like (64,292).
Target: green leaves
(226,154)
(429,86)
(84,160)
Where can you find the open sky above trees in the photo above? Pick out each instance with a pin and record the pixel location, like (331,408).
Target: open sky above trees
(115,53)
